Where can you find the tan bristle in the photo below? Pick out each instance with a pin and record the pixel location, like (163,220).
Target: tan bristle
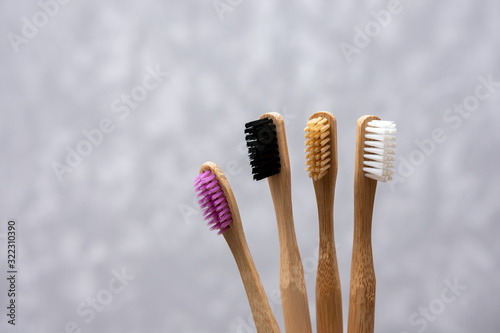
(318,147)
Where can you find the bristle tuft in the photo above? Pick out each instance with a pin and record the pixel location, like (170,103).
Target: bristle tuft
(380,150)
(263,149)
(318,148)
(212,201)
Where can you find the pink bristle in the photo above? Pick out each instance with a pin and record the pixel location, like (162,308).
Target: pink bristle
(197,180)
(212,201)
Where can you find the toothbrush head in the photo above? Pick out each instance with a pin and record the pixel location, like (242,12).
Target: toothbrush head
(213,201)
(379,150)
(319,147)
(263,150)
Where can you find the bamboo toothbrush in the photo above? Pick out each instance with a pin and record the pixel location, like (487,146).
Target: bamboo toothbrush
(221,211)
(266,141)
(321,161)
(375,150)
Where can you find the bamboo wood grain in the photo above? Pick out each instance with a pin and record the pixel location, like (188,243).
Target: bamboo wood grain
(328,291)
(362,289)
(292,283)
(265,322)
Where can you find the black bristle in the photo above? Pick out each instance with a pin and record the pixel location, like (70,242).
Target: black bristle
(263,149)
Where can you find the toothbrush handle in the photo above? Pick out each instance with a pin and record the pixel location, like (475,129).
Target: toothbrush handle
(363,282)
(292,283)
(362,290)
(264,319)
(328,291)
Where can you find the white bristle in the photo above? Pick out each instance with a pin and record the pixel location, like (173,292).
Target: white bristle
(380,150)
(380,137)
(381,158)
(382,123)
(381,144)
(381,130)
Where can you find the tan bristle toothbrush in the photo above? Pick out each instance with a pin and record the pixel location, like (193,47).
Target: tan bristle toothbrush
(321,161)
(375,151)
(221,211)
(268,153)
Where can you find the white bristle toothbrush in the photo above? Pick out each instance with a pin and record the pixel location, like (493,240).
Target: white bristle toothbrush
(375,155)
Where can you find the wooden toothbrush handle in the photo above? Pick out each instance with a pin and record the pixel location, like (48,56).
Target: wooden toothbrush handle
(293,295)
(265,322)
(362,289)
(363,282)
(328,290)
(292,283)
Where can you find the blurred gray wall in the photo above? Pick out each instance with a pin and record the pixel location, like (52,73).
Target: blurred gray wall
(126,207)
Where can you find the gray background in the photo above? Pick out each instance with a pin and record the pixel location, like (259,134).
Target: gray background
(129,204)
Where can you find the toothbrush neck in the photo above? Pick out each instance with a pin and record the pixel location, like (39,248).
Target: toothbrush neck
(325,191)
(364,197)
